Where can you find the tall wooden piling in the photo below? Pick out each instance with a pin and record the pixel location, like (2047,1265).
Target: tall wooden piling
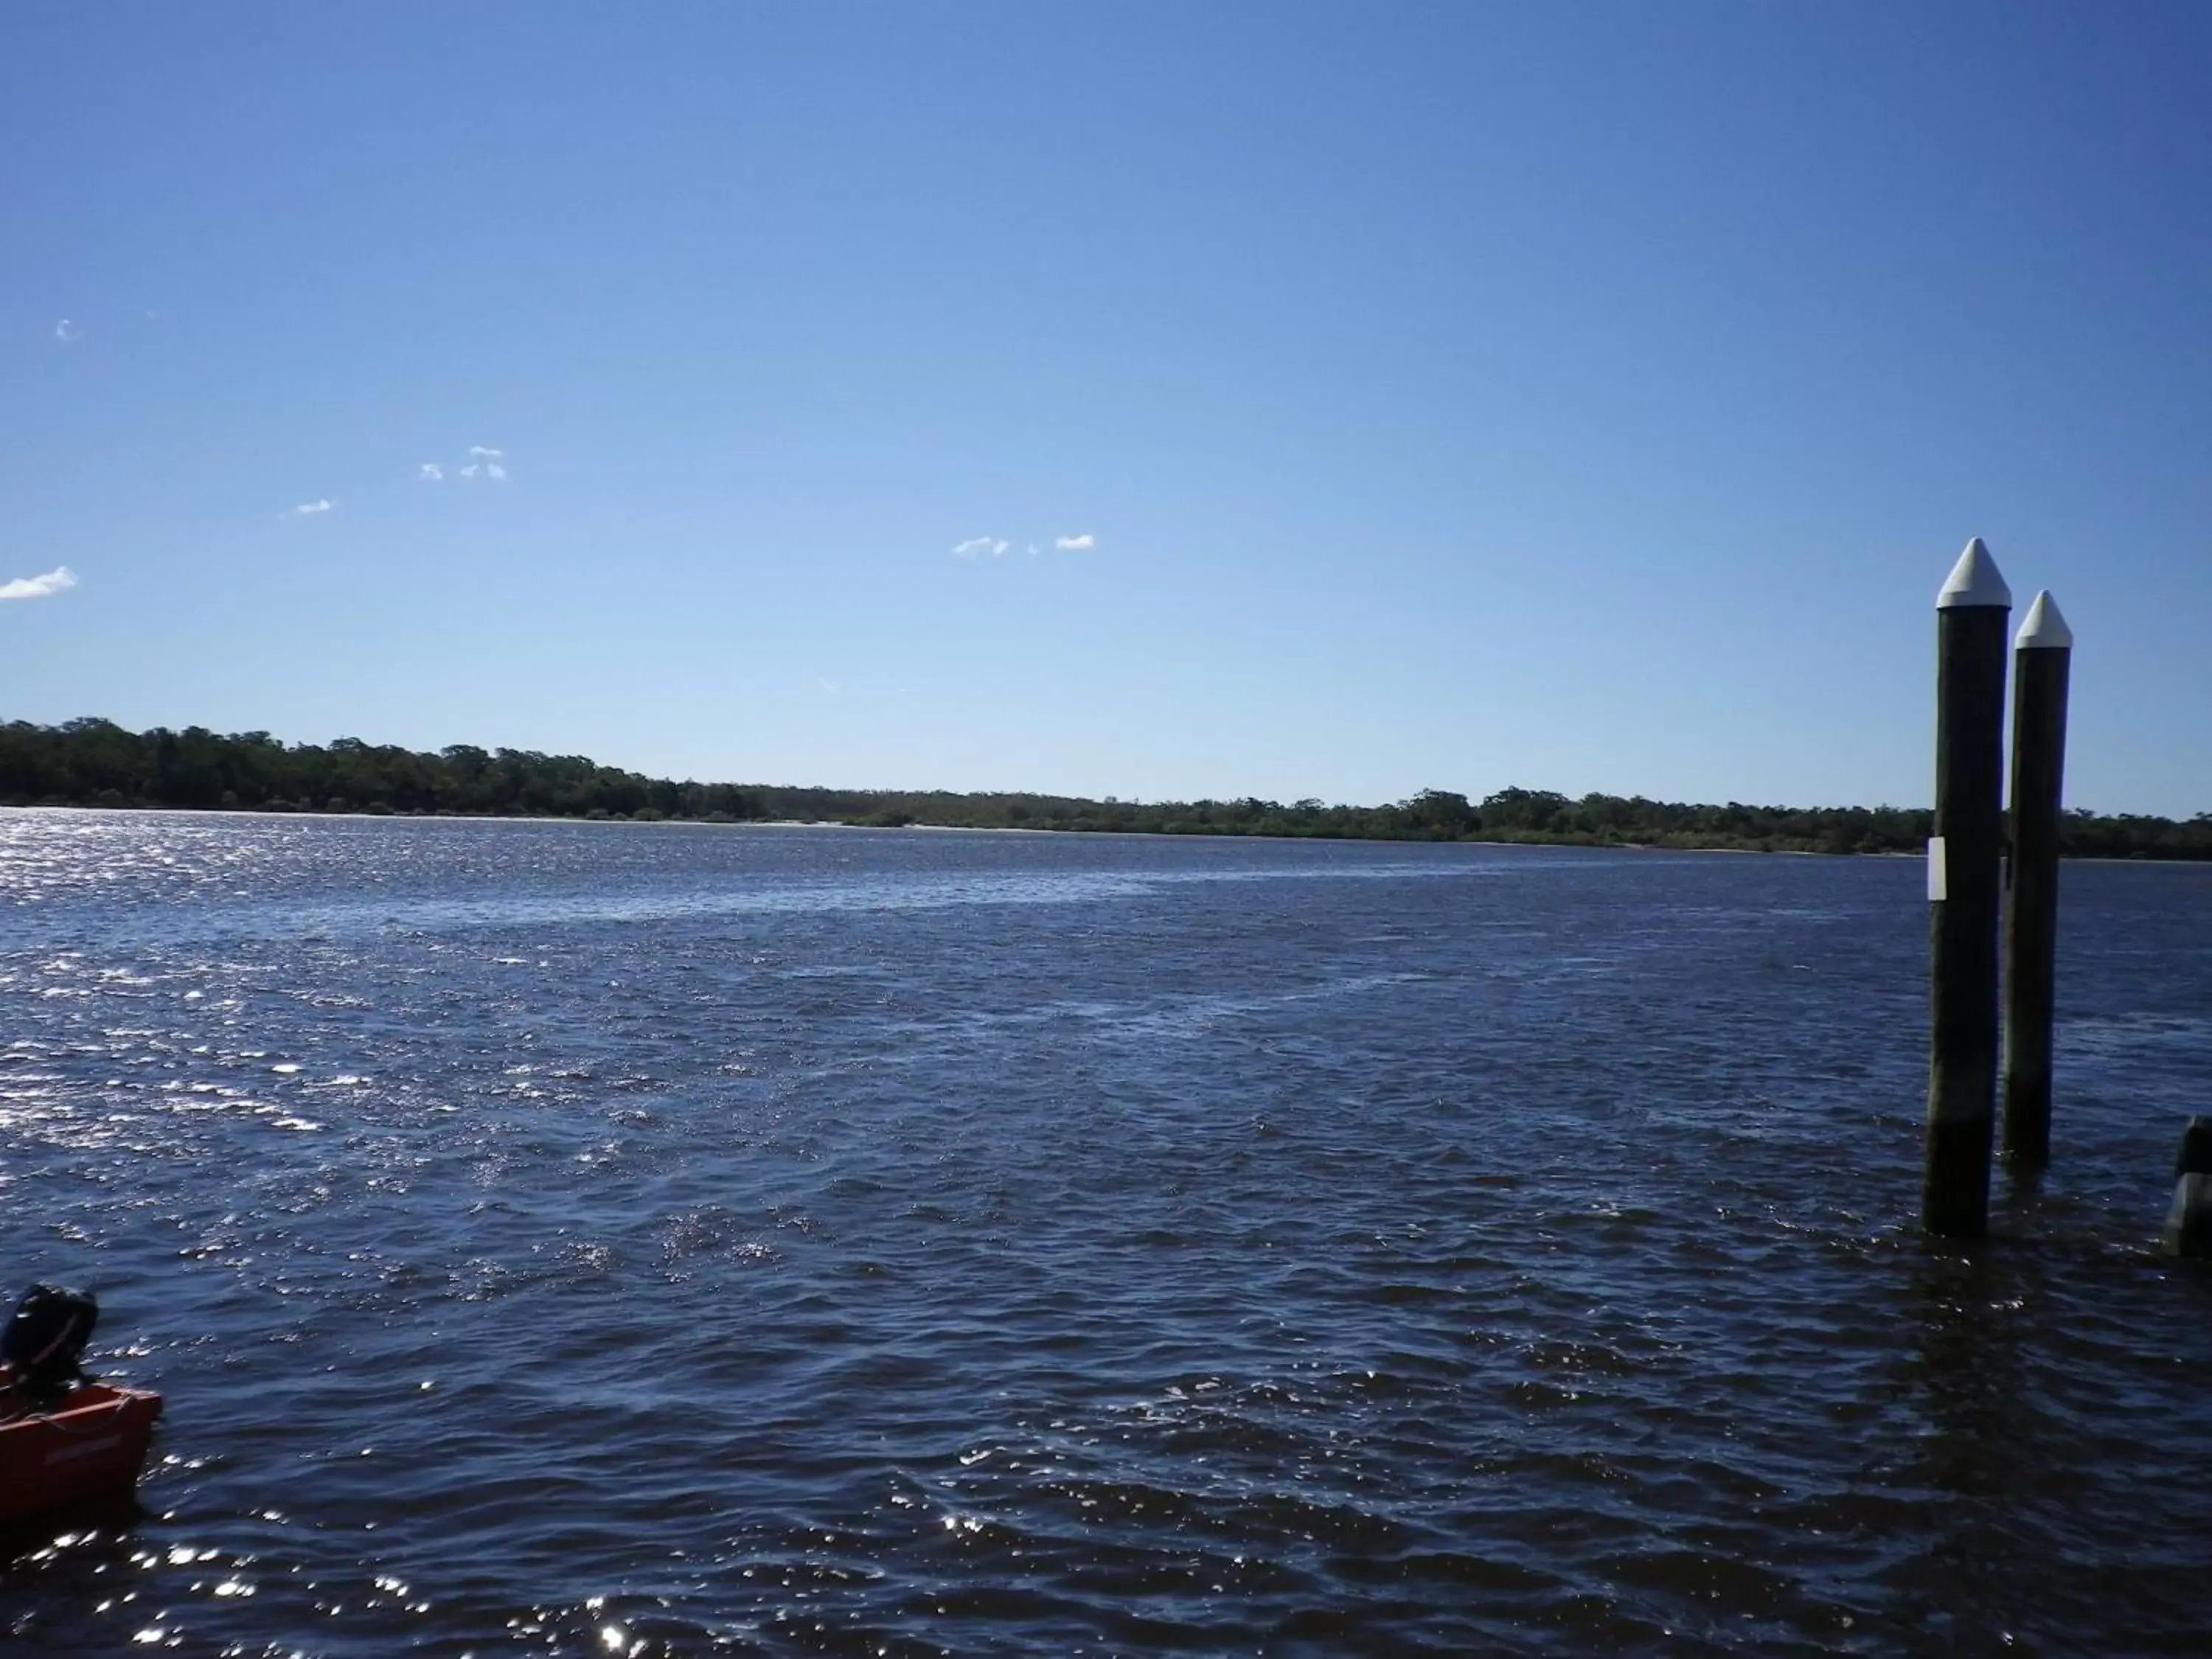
(2042,658)
(1964,886)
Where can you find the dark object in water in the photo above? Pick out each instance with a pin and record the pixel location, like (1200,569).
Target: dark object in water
(2189,1223)
(45,1342)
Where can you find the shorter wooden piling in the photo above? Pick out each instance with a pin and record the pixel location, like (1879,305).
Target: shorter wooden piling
(2042,655)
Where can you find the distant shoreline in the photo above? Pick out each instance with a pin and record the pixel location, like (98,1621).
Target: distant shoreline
(845,826)
(96,765)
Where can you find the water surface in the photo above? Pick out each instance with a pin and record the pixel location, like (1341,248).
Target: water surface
(654,1239)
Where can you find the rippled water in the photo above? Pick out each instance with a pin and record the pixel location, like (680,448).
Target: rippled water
(644,1239)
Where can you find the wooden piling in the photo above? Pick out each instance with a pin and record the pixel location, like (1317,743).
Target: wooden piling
(1964,886)
(2042,657)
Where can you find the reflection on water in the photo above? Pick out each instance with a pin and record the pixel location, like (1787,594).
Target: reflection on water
(649,1239)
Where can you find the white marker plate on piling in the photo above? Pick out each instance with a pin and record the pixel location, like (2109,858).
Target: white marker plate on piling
(1938,879)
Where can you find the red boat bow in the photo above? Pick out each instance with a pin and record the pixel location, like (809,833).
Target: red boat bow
(93,1444)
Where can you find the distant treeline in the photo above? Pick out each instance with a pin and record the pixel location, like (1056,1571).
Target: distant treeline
(95,763)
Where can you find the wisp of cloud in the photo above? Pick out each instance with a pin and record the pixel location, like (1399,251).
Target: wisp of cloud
(979,544)
(1082,543)
(39,587)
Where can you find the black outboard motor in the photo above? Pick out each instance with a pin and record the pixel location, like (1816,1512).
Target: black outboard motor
(45,1342)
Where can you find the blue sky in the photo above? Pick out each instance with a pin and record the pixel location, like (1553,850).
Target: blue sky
(1583,397)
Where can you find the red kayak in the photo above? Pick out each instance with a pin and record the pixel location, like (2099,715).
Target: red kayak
(91,1444)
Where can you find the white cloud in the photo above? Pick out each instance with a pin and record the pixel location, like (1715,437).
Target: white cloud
(308,510)
(485,463)
(39,587)
(67,332)
(980,544)
(1082,543)
(430,472)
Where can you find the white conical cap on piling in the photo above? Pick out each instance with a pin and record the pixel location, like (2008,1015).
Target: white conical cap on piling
(2045,629)
(1974,581)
